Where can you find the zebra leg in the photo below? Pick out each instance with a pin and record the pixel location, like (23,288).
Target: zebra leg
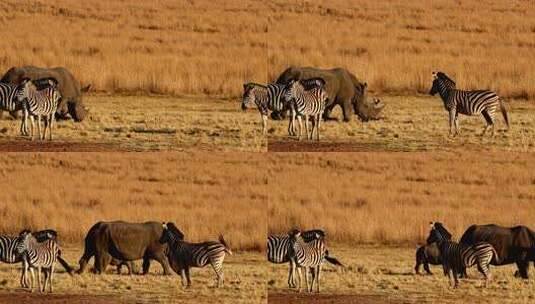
(318,118)
(318,274)
(51,119)
(299,120)
(46,275)
(457,129)
(39,127)
(313,275)
(490,123)
(183,276)
(32,279)
(31,129)
(51,276)
(188,278)
(309,136)
(218,268)
(291,278)
(264,124)
(452,122)
(39,278)
(456,280)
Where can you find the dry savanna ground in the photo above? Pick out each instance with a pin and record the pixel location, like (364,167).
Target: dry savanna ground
(415,124)
(148,123)
(386,275)
(244,283)
(376,208)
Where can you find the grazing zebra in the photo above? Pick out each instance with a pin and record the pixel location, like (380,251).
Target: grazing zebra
(11,99)
(467,102)
(183,255)
(308,255)
(43,103)
(41,256)
(278,248)
(266,98)
(458,256)
(306,103)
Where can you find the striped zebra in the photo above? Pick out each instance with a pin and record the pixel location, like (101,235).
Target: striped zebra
(183,255)
(39,104)
(40,256)
(308,255)
(458,256)
(303,102)
(11,99)
(278,248)
(457,102)
(267,98)
(8,245)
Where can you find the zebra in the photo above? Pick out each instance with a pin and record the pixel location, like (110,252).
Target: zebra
(457,102)
(306,103)
(308,255)
(183,255)
(11,99)
(43,103)
(458,256)
(41,256)
(267,98)
(9,255)
(278,247)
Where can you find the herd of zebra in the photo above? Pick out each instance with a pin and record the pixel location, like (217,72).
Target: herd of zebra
(304,98)
(38,99)
(39,251)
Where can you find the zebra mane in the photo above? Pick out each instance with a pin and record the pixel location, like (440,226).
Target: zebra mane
(312,83)
(437,227)
(170,226)
(250,85)
(443,76)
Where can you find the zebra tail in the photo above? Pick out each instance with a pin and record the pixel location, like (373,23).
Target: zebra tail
(504,113)
(65,265)
(496,258)
(332,260)
(224,243)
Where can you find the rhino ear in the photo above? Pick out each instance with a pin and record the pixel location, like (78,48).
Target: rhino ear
(86,88)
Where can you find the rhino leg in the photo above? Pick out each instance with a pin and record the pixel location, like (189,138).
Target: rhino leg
(346,110)
(146,265)
(523,269)
(327,112)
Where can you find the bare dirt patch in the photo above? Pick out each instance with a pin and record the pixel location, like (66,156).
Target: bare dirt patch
(24,145)
(55,298)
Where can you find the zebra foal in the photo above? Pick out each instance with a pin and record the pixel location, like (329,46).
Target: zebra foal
(456,257)
(457,102)
(40,256)
(305,102)
(183,255)
(39,104)
(266,98)
(11,99)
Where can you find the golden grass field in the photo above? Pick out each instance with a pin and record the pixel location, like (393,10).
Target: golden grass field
(390,198)
(383,274)
(376,208)
(119,123)
(417,123)
(244,283)
(70,192)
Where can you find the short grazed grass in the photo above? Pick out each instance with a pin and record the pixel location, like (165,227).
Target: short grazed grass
(244,282)
(154,123)
(420,123)
(388,272)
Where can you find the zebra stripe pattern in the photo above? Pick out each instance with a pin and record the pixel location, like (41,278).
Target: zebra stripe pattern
(469,103)
(278,248)
(308,256)
(40,256)
(266,98)
(11,98)
(183,255)
(39,104)
(306,103)
(457,256)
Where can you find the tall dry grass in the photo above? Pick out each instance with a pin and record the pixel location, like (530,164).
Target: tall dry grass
(169,47)
(70,192)
(390,198)
(395,45)
(212,47)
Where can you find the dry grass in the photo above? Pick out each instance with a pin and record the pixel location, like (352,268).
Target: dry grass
(394,45)
(421,124)
(69,192)
(153,123)
(169,47)
(244,283)
(386,198)
(388,273)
